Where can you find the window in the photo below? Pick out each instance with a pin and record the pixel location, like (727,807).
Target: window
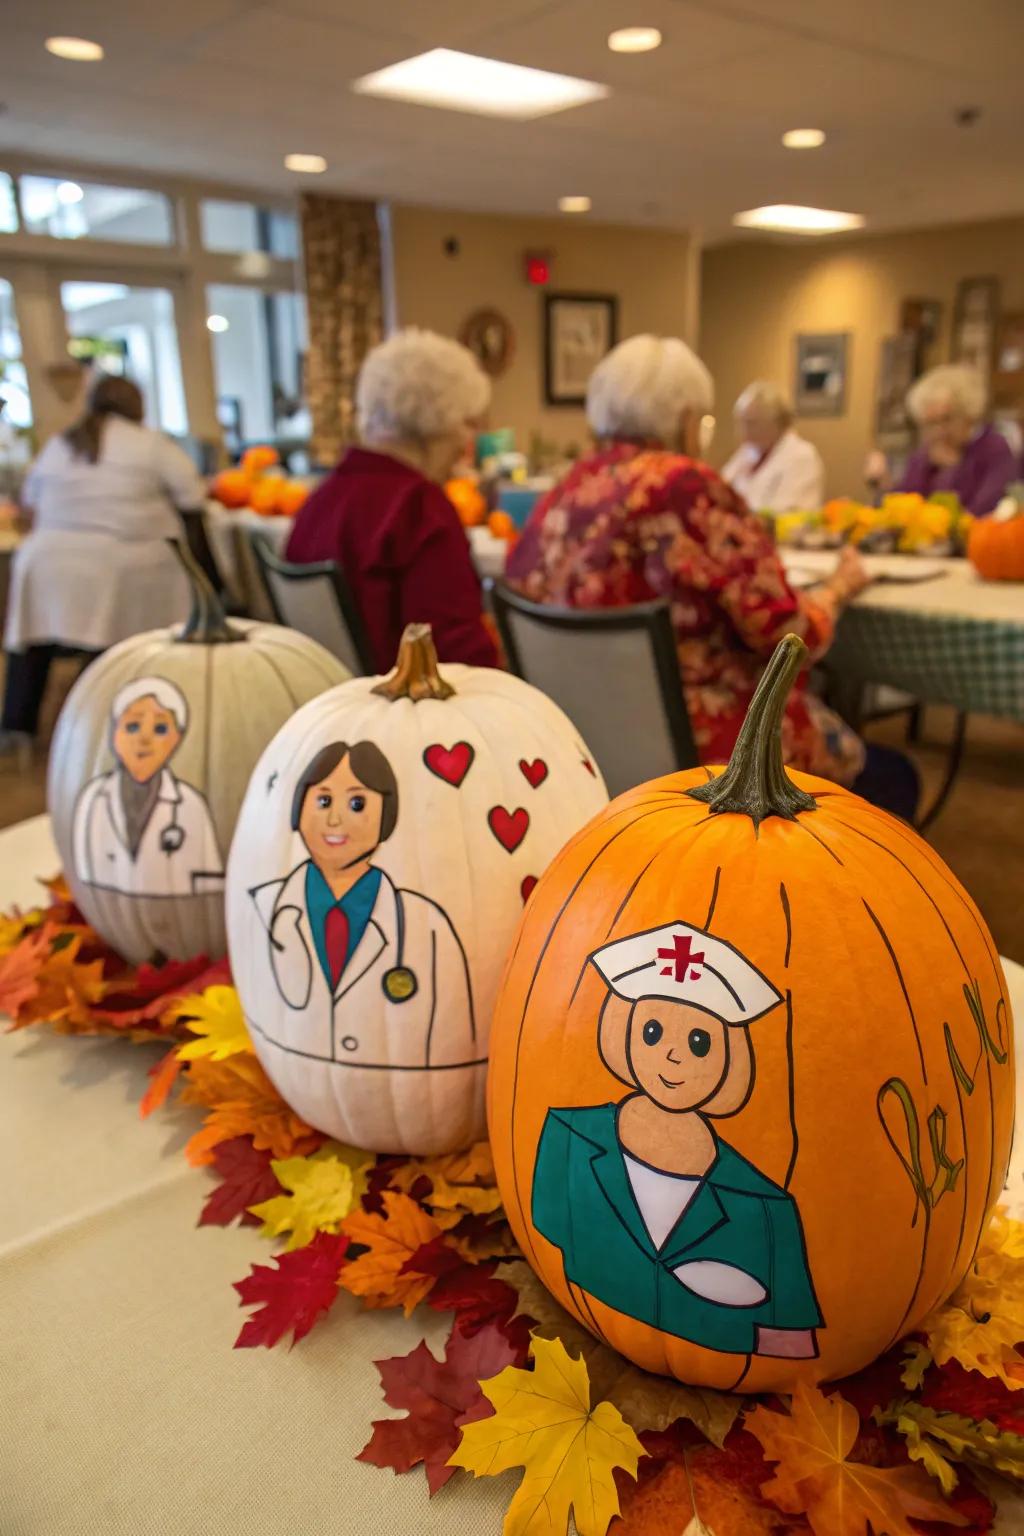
(130,330)
(17,411)
(72,210)
(258,348)
(236,228)
(8,207)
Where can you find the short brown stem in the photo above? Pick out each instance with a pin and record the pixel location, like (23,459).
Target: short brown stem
(207,623)
(415,675)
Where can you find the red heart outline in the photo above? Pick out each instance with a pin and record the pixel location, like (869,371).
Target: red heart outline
(534,773)
(449,763)
(509,827)
(526,887)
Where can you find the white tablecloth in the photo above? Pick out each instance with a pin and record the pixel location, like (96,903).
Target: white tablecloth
(124,1411)
(957,590)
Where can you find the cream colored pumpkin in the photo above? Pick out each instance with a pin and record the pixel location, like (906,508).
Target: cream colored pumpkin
(150,759)
(422,810)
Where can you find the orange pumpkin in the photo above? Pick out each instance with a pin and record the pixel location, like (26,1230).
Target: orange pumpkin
(996,549)
(231,488)
(292,496)
(264,495)
(501,525)
(751,1083)
(256,460)
(467,500)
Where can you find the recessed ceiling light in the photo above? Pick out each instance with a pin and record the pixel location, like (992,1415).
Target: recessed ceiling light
(804,138)
(792,219)
(574,204)
(78,48)
(462,82)
(634,40)
(69,192)
(310,165)
(217,323)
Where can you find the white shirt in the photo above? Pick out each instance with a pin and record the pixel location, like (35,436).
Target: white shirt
(96,567)
(790,479)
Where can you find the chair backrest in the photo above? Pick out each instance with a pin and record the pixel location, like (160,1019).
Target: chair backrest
(316,601)
(615,673)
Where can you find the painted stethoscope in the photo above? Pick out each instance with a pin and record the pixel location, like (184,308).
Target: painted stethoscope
(399,982)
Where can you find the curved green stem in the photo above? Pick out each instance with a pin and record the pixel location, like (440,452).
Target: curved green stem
(756,783)
(207,624)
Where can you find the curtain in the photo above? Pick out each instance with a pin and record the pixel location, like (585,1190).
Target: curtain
(344,295)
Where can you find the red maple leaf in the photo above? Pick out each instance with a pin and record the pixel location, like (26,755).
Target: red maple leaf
(246,1178)
(292,1296)
(471,1291)
(142,996)
(439,1396)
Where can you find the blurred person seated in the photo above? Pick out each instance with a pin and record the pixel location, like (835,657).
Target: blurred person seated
(641,517)
(381,514)
(959,451)
(96,566)
(774,469)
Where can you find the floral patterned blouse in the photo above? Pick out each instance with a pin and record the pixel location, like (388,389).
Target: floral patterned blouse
(631,523)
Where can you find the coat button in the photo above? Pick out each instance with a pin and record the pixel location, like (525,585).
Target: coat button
(349,1043)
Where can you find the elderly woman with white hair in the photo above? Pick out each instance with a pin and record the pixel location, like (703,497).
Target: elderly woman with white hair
(959,450)
(774,469)
(641,517)
(381,513)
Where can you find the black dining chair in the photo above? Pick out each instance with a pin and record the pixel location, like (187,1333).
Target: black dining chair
(315,600)
(615,673)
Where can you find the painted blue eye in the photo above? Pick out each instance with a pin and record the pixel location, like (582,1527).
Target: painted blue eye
(161,729)
(699,1042)
(653,1032)
(324,800)
(132,728)
(357,803)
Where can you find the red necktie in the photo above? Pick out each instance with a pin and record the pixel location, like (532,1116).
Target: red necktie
(336,942)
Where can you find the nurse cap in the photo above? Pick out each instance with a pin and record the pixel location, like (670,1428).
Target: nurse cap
(686,965)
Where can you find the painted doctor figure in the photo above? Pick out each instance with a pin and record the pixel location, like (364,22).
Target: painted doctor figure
(369,966)
(139,829)
(655,1214)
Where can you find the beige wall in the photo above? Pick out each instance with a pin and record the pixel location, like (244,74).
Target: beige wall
(651,272)
(756,297)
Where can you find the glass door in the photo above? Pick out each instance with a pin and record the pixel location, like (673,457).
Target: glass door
(130,328)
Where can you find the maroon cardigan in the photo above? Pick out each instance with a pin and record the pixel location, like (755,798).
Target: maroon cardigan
(402,551)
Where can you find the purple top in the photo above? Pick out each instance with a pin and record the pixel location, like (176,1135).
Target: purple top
(982,475)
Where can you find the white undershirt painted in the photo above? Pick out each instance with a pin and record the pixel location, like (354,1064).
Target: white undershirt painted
(661,1197)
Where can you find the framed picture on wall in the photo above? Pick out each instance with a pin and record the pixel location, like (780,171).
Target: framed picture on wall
(975,320)
(897,370)
(922,319)
(579,329)
(820,387)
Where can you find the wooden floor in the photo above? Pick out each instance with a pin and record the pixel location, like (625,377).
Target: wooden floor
(980,833)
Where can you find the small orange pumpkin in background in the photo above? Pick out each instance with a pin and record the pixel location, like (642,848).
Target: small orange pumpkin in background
(751,1087)
(264,495)
(256,460)
(292,497)
(231,488)
(502,526)
(466,498)
(996,547)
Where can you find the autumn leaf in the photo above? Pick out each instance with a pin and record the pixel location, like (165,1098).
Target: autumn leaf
(216,1017)
(648,1402)
(917,1358)
(67,988)
(543,1422)
(811,1444)
(692,1489)
(932,1437)
(439,1396)
(242,1102)
(293,1296)
(391,1239)
(19,975)
(473,1166)
(140,1002)
(320,1193)
(246,1178)
(15,925)
(477,1238)
(162,1077)
(982,1324)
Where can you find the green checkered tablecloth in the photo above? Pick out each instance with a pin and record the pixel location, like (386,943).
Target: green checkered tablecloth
(975,664)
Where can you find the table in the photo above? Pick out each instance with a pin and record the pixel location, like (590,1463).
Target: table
(125,1411)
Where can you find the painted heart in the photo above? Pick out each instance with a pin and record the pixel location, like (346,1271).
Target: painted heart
(588,765)
(534,773)
(509,827)
(449,763)
(526,887)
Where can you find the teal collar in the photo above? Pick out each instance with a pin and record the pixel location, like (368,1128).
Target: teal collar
(357,904)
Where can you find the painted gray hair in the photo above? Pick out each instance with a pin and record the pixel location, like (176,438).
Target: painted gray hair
(957,382)
(641,389)
(769,397)
(168,695)
(418,386)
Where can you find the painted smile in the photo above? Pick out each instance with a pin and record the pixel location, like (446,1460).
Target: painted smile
(668,1082)
(335,839)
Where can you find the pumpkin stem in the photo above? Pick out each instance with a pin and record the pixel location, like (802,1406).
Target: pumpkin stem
(756,783)
(415,675)
(207,623)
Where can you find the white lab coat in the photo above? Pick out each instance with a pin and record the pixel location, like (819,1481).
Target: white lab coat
(361,1025)
(791,479)
(178,854)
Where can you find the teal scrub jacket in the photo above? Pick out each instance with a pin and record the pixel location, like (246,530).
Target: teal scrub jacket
(583,1203)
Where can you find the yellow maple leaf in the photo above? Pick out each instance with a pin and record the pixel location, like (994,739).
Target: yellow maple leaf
(543,1422)
(917,1357)
(14,926)
(810,1445)
(1005,1234)
(983,1322)
(242,1101)
(321,1195)
(216,1017)
(933,1435)
(391,1240)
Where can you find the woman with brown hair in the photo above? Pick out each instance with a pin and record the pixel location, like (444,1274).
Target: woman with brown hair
(96,566)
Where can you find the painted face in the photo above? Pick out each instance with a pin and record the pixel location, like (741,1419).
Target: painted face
(340,820)
(145,737)
(678,1054)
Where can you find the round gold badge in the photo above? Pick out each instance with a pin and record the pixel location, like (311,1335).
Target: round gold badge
(399,984)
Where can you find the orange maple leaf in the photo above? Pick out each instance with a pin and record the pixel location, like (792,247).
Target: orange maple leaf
(163,1076)
(67,987)
(391,1239)
(811,1444)
(242,1102)
(19,976)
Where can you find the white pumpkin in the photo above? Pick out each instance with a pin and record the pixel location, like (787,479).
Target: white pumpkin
(150,760)
(390,837)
